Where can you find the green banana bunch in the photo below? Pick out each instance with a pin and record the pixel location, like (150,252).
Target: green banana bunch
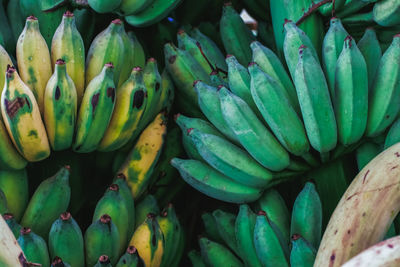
(113,204)
(214,184)
(104,261)
(34,61)
(307,211)
(384,105)
(147,205)
(210,227)
(66,240)
(351,93)
(195,258)
(387,13)
(101,6)
(215,254)
(3,203)
(366,152)
(14,185)
(12,223)
(67,44)
(58,262)
(49,200)
(235,35)
(225,222)
(95,111)
(102,238)
(34,247)
(139,58)
(125,193)
(60,107)
(131,7)
(302,253)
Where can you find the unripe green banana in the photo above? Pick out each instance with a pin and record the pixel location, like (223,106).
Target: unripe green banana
(107,47)
(95,111)
(139,58)
(307,215)
(147,205)
(66,240)
(128,63)
(12,223)
(210,227)
(244,231)
(331,49)
(3,202)
(126,194)
(226,228)
(131,7)
(67,44)
(113,204)
(215,254)
(33,58)
(58,262)
(195,258)
(256,139)
(130,258)
(302,253)
(5,60)
(167,92)
(170,228)
(278,111)
(49,200)
(85,20)
(328,9)
(351,93)
(387,13)
(60,108)
(316,107)
(101,238)
(214,184)
(14,185)
(393,135)
(34,247)
(101,6)
(384,98)
(104,261)
(268,247)
(366,152)
(235,35)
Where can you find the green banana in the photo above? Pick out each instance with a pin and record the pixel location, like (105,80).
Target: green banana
(34,247)
(256,139)
(351,93)
(211,30)
(12,223)
(366,152)
(66,240)
(3,203)
(14,14)
(95,111)
(316,107)
(101,238)
(226,228)
(128,63)
(393,135)
(170,228)
(147,205)
(210,227)
(85,21)
(307,211)
(195,258)
(101,6)
(302,253)
(235,34)
(387,13)
(14,185)
(215,254)
(60,107)
(131,7)
(139,58)
(330,8)
(384,105)
(49,200)
(167,93)
(58,262)
(104,261)
(244,231)
(6,30)
(125,193)
(130,258)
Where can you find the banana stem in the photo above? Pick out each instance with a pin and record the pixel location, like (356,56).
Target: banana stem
(313,8)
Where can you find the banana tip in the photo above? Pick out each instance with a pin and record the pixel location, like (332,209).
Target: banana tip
(105,218)
(65,216)
(104,259)
(60,61)
(109,65)
(151,215)
(57,261)
(68,14)
(116,21)
(114,187)
(262,213)
(296,237)
(121,176)
(25,230)
(131,250)
(31,18)
(8,216)
(176,116)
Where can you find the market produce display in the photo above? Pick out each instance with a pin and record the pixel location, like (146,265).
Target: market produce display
(199,133)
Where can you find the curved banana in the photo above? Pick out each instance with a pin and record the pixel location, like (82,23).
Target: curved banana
(215,254)
(368,151)
(387,13)
(167,93)
(101,6)
(302,253)
(139,58)
(328,8)
(129,57)
(147,205)
(34,247)
(170,227)
(125,193)
(130,258)
(131,7)
(210,227)
(14,185)
(225,222)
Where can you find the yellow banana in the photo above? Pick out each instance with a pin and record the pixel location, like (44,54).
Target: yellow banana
(5,60)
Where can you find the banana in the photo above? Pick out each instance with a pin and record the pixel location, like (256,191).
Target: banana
(244,231)
(66,240)
(101,238)
(226,228)
(366,152)
(316,107)
(384,105)
(351,93)
(235,34)
(85,21)
(131,7)
(125,193)
(147,205)
(107,47)
(102,6)
(387,13)
(95,111)
(6,30)
(393,135)
(372,52)
(329,9)
(49,200)
(140,163)
(210,227)
(139,58)
(215,254)
(167,93)
(271,65)
(355,224)
(58,262)
(214,184)
(104,261)
(14,185)
(60,107)
(33,58)
(170,227)
(5,61)
(256,139)
(12,224)
(278,111)
(149,241)
(195,258)
(130,258)
(128,63)
(131,103)
(3,203)
(331,49)
(67,44)
(34,247)
(22,119)
(154,13)
(302,253)
(230,160)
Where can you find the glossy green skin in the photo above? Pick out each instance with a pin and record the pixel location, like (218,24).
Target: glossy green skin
(147,205)
(101,239)
(316,106)
(14,185)
(128,62)
(307,210)
(195,259)
(302,253)
(66,242)
(226,228)
(251,133)
(244,230)
(331,49)
(171,236)
(367,151)
(215,254)
(126,194)
(387,13)
(384,98)
(129,260)
(50,199)
(104,6)
(210,227)
(34,248)
(95,111)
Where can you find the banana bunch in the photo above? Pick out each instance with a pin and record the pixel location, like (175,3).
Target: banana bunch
(268,238)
